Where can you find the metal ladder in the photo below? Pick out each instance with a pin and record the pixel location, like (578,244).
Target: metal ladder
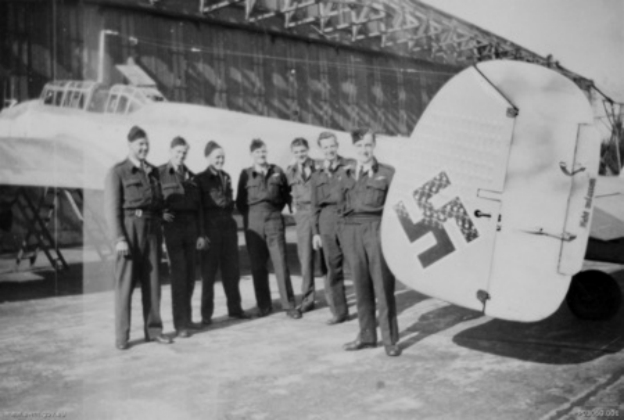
(38,237)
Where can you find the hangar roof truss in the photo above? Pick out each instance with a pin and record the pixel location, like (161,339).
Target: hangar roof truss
(404,27)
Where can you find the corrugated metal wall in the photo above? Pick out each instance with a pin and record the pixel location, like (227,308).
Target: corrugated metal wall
(217,65)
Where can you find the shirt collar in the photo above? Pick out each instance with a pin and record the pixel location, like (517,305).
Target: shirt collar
(332,166)
(370,168)
(214,171)
(172,169)
(135,162)
(136,165)
(258,170)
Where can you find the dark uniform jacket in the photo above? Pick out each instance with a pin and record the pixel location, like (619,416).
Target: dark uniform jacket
(300,185)
(129,188)
(365,198)
(326,188)
(181,192)
(271,190)
(216,192)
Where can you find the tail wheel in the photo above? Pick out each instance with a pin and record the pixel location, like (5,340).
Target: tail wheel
(594,295)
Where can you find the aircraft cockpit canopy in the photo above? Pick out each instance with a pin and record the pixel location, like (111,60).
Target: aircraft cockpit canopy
(94,97)
(68,94)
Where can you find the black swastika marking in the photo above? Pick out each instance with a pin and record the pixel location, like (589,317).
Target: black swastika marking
(434,219)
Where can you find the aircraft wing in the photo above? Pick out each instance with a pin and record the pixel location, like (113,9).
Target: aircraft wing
(57,162)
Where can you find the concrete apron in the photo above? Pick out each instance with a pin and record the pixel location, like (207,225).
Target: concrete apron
(58,358)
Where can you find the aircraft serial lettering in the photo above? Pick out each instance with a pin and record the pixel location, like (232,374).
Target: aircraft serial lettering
(590,193)
(434,219)
(588,202)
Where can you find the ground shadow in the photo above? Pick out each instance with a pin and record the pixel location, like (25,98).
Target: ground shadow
(434,322)
(559,339)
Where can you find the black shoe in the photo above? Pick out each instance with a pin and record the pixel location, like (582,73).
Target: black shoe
(264,312)
(336,320)
(294,313)
(122,346)
(206,322)
(307,307)
(183,334)
(393,350)
(240,315)
(161,339)
(358,345)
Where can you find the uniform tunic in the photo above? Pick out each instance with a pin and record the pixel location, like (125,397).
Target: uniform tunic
(133,206)
(260,199)
(300,182)
(218,203)
(326,193)
(181,195)
(362,203)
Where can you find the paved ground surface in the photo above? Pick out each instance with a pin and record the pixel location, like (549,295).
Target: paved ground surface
(57,358)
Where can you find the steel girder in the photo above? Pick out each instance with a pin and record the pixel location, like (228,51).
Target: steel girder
(404,27)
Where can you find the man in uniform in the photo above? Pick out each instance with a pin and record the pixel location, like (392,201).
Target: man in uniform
(262,194)
(299,177)
(218,202)
(326,223)
(184,232)
(133,203)
(364,191)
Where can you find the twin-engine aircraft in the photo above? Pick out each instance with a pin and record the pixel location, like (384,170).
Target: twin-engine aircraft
(496,194)
(76,130)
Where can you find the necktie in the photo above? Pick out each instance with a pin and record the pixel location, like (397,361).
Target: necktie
(360,173)
(222,178)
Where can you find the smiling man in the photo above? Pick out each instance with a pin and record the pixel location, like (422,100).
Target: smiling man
(262,194)
(326,224)
(184,231)
(217,197)
(363,194)
(299,176)
(133,205)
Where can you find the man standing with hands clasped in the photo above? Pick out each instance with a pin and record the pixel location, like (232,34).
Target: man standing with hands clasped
(133,206)
(363,195)
(184,232)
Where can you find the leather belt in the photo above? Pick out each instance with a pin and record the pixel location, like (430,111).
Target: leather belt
(139,213)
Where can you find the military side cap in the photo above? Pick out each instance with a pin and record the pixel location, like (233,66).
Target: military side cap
(256,144)
(210,147)
(136,133)
(178,141)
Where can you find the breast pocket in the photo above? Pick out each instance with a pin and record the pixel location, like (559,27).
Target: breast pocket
(254,188)
(322,189)
(134,191)
(376,191)
(192,192)
(274,185)
(171,190)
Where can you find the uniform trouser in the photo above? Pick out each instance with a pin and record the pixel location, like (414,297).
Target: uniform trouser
(330,229)
(222,253)
(303,219)
(264,234)
(181,241)
(371,278)
(140,266)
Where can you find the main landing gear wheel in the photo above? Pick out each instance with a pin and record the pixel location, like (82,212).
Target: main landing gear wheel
(594,295)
